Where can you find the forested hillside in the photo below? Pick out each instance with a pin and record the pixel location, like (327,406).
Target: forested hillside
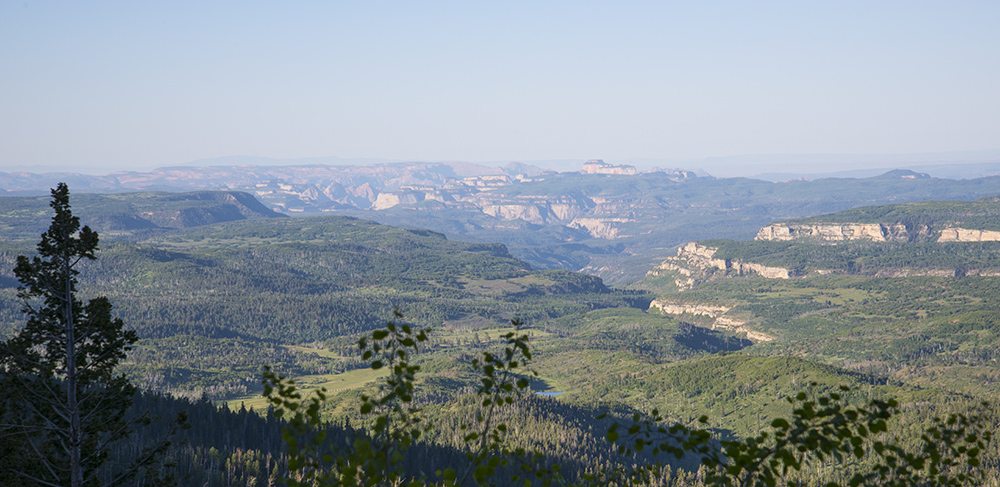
(981,214)
(920,311)
(24,218)
(213,303)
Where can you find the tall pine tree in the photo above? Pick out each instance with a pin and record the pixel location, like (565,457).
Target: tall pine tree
(64,405)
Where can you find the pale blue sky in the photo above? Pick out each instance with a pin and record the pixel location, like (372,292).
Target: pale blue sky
(132,85)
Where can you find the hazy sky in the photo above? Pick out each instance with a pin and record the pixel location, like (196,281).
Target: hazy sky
(100,84)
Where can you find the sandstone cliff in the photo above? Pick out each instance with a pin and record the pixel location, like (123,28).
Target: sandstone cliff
(669,308)
(769,272)
(716,312)
(695,263)
(542,209)
(601,218)
(389,200)
(838,232)
(955,234)
(606,228)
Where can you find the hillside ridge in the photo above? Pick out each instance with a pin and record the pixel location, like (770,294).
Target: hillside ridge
(20,216)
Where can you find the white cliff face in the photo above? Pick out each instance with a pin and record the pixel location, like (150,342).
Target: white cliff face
(691,262)
(738,326)
(438,196)
(717,312)
(669,308)
(695,263)
(877,232)
(700,256)
(693,257)
(533,209)
(907,272)
(763,270)
(386,201)
(597,166)
(606,228)
(528,213)
(567,210)
(596,217)
(756,336)
(955,234)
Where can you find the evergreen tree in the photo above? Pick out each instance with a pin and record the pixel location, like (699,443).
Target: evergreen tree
(64,405)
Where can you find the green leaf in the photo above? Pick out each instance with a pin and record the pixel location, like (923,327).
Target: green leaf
(612,435)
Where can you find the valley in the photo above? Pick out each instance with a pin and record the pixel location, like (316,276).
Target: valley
(881,299)
(499,244)
(616,225)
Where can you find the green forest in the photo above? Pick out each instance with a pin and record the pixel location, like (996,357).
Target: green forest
(210,302)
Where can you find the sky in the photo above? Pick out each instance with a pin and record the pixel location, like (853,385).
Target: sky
(116,85)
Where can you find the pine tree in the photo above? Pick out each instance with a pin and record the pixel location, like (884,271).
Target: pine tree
(63,402)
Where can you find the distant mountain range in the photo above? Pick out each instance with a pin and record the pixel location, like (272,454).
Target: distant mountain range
(301,188)
(611,221)
(312,187)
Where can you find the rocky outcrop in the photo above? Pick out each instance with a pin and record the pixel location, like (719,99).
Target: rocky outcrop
(691,263)
(404,197)
(385,201)
(906,272)
(876,232)
(533,209)
(669,308)
(838,232)
(696,263)
(738,326)
(728,323)
(567,210)
(717,312)
(957,272)
(756,335)
(696,258)
(606,228)
(598,166)
(529,213)
(763,270)
(685,281)
(701,256)
(955,234)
